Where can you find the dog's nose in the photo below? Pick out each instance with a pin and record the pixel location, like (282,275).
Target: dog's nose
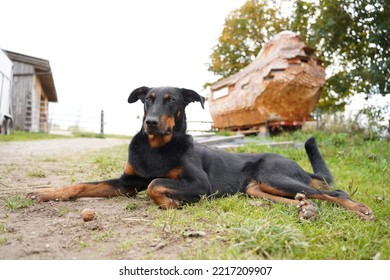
(152,121)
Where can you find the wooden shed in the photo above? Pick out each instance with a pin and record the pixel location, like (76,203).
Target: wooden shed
(281,87)
(33,89)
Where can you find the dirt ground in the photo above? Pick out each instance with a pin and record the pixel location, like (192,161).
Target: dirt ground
(55,230)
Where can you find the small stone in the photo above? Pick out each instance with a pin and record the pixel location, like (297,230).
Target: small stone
(87,215)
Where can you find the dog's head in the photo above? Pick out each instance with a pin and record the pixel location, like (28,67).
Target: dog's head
(164,108)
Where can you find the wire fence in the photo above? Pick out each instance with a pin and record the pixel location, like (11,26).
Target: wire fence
(108,122)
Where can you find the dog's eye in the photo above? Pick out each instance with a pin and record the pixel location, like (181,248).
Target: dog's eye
(148,98)
(170,99)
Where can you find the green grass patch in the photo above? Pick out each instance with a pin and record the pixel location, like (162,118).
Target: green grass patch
(2,229)
(125,245)
(27,136)
(99,135)
(242,228)
(110,166)
(88,135)
(104,236)
(83,244)
(60,212)
(3,240)
(3,235)
(131,206)
(17,202)
(36,173)
(225,132)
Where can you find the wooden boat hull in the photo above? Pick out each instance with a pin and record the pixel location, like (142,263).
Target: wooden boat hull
(283,83)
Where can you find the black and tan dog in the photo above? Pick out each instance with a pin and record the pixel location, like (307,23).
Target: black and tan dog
(174,169)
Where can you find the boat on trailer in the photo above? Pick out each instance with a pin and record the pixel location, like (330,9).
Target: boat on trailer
(279,89)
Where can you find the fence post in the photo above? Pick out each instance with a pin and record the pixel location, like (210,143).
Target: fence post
(318,115)
(102,122)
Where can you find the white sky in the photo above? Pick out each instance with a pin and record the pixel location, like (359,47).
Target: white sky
(101,50)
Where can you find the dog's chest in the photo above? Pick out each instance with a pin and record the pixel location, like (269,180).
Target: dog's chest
(153,165)
(157,163)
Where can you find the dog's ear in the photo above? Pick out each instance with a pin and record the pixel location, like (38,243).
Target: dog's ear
(138,93)
(192,96)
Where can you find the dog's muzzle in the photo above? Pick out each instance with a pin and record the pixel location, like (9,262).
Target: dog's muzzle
(153,126)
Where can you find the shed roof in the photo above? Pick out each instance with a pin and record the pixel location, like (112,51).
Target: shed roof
(42,71)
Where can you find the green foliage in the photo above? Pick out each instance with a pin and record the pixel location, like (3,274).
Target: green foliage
(302,19)
(376,118)
(352,37)
(246,29)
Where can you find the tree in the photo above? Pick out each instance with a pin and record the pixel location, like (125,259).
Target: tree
(245,31)
(352,37)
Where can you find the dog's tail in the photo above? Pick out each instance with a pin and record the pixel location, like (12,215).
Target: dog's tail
(321,171)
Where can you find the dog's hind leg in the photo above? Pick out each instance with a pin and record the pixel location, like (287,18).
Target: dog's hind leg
(343,199)
(288,189)
(307,209)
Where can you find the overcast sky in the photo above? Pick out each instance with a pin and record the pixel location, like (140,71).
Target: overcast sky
(101,50)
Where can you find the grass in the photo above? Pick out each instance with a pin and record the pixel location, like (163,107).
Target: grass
(238,230)
(16,202)
(104,236)
(99,135)
(83,244)
(36,173)
(105,166)
(27,136)
(125,245)
(3,235)
(225,132)
(60,212)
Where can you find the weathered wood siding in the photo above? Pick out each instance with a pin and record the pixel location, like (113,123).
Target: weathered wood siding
(22,86)
(30,103)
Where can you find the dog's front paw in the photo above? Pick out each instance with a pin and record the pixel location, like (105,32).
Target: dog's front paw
(47,195)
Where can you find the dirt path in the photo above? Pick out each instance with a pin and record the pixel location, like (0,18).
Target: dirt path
(123,229)
(17,152)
